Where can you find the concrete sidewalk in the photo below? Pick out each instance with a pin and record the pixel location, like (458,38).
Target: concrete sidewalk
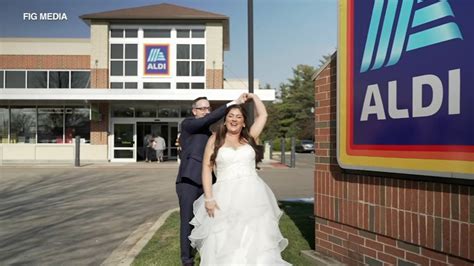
(132,165)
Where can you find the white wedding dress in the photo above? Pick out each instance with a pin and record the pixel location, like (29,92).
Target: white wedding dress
(245,229)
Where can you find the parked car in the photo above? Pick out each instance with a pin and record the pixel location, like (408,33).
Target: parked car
(305,145)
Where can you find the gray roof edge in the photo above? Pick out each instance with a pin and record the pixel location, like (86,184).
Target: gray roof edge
(316,74)
(93,16)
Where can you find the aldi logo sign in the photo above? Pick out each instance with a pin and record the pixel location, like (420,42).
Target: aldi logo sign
(156,59)
(405,86)
(435,23)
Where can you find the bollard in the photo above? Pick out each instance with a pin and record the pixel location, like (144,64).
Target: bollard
(293,155)
(271,149)
(77,161)
(282,159)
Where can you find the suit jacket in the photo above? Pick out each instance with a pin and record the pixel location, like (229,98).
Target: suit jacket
(194,136)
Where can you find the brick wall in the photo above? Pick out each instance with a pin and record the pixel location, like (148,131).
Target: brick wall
(44,62)
(384,219)
(99,128)
(99,78)
(214,78)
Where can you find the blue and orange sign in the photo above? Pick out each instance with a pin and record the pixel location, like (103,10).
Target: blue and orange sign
(406,87)
(156,59)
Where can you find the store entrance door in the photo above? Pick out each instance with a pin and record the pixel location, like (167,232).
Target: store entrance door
(167,130)
(124,142)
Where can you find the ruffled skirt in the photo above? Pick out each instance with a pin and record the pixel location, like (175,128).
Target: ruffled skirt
(245,230)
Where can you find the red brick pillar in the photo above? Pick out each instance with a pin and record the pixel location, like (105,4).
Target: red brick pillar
(99,78)
(99,129)
(214,79)
(376,218)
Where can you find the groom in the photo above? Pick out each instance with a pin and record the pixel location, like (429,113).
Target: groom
(194,135)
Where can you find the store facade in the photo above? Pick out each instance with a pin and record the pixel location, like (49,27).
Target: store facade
(136,75)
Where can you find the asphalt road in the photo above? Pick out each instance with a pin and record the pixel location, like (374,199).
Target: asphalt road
(78,216)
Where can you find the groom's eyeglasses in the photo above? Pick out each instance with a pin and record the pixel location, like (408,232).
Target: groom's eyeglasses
(204,108)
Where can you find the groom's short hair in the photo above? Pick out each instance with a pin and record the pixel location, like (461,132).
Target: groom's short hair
(197,100)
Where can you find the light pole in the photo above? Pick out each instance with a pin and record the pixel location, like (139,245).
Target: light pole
(250,56)
(312,123)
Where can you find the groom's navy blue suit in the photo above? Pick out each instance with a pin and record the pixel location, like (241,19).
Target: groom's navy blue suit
(194,136)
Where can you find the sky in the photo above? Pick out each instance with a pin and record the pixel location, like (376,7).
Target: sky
(286,32)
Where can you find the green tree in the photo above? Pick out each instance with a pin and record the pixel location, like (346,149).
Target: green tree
(291,114)
(323,60)
(297,101)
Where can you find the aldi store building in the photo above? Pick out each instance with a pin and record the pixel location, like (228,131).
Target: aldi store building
(137,74)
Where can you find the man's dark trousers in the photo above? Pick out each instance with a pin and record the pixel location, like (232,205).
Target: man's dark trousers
(187,194)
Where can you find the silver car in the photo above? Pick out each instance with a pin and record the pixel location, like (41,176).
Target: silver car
(305,145)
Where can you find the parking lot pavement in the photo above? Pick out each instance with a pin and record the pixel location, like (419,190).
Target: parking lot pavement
(75,216)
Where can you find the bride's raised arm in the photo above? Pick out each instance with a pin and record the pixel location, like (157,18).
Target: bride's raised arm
(260,116)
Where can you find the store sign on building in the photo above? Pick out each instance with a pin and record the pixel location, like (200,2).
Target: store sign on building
(405,87)
(156,59)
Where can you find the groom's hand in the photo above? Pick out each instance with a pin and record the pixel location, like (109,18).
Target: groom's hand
(242,98)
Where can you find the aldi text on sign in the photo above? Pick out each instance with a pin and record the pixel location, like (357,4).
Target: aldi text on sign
(156,59)
(406,79)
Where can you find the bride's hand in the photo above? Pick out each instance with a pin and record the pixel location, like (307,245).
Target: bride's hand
(211,206)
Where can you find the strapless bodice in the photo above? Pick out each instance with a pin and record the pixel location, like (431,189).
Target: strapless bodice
(235,163)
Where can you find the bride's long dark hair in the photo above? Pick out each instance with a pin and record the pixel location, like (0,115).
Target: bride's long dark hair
(244,136)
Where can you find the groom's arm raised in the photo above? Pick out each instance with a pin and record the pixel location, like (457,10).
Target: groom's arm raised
(195,125)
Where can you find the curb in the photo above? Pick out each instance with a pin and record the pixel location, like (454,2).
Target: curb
(132,246)
(318,259)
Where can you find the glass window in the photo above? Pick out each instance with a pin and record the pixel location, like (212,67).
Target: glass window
(23,125)
(182,85)
(156,85)
(15,79)
(186,111)
(197,85)
(116,33)
(131,68)
(183,56)
(198,51)
(50,125)
(131,85)
(198,33)
(131,51)
(80,79)
(122,111)
(1,79)
(37,79)
(123,153)
(183,51)
(157,33)
(123,135)
(59,79)
(145,111)
(132,33)
(182,33)
(4,118)
(197,68)
(168,112)
(77,124)
(116,68)
(182,68)
(116,51)
(116,85)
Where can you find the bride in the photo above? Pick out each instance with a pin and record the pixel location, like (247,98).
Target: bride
(236,219)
